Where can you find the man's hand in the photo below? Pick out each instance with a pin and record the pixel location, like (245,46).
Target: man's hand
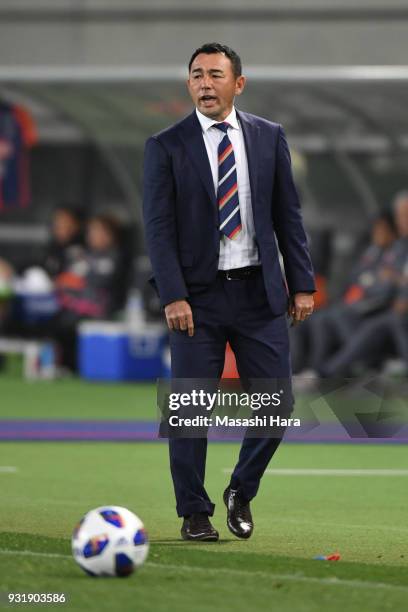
(179,316)
(300,307)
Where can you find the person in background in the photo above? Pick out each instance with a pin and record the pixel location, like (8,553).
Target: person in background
(386,329)
(367,293)
(65,246)
(6,294)
(399,321)
(90,287)
(67,242)
(87,282)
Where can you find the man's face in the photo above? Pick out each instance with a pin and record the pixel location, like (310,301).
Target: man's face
(98,237)
(65,227)
(382,233)
(213,85)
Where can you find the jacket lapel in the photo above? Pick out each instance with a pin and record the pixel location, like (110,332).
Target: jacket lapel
(192,137)
(251,137)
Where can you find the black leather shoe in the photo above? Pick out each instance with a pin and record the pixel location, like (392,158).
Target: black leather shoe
(198,527)
(239,517)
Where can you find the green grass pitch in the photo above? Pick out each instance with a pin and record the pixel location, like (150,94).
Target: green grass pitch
(296,518)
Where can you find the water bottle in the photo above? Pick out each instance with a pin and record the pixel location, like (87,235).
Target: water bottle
(47,361)
(135,318)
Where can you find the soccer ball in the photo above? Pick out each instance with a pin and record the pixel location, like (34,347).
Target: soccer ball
(110,541)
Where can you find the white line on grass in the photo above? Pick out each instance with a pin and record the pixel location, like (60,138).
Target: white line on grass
(8,469)
(31,553)
(297,521)
(49,501)
(235,572)
(272,576)
(329,472)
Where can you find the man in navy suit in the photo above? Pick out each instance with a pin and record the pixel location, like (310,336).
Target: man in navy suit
(218,197)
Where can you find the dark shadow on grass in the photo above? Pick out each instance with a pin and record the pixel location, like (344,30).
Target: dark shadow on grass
(214,556)
(34,542)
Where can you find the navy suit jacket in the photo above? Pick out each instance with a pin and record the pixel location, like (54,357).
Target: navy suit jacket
(181,215)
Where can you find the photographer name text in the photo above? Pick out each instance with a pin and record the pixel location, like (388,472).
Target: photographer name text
(226,421)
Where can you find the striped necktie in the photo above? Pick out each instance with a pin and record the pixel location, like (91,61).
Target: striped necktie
(227,193)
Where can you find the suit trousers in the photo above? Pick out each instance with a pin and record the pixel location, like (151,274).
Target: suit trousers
(376,337)
(238,312)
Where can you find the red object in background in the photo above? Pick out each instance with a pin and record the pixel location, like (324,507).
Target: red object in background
(27,125)
(353,294)
(333,557)
(320,300)
(230,365)
(69,280)
(321,296)
(17,135)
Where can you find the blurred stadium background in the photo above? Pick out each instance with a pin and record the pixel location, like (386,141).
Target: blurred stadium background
(87,81)
(99,77)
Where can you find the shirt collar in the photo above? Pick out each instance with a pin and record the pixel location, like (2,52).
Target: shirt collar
(206,122)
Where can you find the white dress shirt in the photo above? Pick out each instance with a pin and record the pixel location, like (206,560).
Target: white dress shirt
(242,251)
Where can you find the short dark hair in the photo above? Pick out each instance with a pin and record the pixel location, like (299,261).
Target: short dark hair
(210,48)
(387,216)
(74,211)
